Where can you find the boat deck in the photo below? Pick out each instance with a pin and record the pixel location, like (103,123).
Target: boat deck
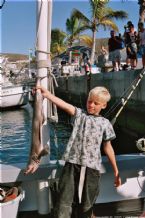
(133,208)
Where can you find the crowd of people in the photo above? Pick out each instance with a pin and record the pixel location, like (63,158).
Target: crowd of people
(133,41)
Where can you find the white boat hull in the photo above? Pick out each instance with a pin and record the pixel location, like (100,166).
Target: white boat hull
(11,96)
(132,171)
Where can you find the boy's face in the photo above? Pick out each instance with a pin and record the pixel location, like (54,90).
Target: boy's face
(95,105)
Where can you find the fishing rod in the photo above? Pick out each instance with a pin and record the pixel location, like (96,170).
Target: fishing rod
(129,96)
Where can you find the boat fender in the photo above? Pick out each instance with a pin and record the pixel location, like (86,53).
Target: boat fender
(140,143)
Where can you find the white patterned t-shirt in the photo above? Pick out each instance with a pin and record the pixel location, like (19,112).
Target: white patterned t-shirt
(84,144)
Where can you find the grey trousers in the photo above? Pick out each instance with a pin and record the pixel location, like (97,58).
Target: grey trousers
(67,202)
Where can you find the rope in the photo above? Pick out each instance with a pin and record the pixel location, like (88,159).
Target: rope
(43,64)
(52,109)
(56,145)
(40,51)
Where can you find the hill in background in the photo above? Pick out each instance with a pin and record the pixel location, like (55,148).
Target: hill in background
(15,57)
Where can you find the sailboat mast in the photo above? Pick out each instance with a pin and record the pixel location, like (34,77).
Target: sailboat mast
(44,18)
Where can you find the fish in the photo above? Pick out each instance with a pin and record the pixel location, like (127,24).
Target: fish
(37,148)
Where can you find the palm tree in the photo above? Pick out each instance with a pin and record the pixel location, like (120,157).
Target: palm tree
(58,44)
(74,27)
(141,10)
(101,15)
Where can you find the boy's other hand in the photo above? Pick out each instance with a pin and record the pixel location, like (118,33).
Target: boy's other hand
(117,181)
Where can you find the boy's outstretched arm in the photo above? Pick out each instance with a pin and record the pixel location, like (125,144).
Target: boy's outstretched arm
(111,156)
(70,109)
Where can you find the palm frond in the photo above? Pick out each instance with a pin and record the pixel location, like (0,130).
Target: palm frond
(96,7)
(108,24)
(86,40)
(109,14)
(80,15)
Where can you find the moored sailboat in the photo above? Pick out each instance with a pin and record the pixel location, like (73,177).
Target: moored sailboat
(12,94)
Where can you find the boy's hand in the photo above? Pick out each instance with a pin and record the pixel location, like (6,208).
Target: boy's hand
(117,181)
(43,91)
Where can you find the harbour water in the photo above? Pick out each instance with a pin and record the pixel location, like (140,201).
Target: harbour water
(15,135)
(16,126)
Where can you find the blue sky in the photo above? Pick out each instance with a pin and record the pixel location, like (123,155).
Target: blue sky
(18,21)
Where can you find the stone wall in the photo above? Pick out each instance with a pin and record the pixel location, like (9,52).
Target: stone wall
(117,82)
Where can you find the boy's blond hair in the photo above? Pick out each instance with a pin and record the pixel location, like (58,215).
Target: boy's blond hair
(101,92)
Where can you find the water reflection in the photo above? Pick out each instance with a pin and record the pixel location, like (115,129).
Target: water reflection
(15,135)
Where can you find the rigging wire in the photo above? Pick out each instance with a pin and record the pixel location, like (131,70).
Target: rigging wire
(123,97)
(133,86)
(128,97)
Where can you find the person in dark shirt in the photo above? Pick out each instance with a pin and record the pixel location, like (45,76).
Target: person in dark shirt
(114,50)
(131,46)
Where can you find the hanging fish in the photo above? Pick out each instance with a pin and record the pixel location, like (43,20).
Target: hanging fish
(37,148)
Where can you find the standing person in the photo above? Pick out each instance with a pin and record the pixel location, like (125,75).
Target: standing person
(85,56)
(88,67)
(114,50)
(90,130)
(131,45)
(141,35)
(105,54)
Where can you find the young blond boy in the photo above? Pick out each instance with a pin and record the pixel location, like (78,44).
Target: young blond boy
(90,131)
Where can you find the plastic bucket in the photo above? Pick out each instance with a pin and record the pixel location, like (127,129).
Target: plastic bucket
(10,208)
